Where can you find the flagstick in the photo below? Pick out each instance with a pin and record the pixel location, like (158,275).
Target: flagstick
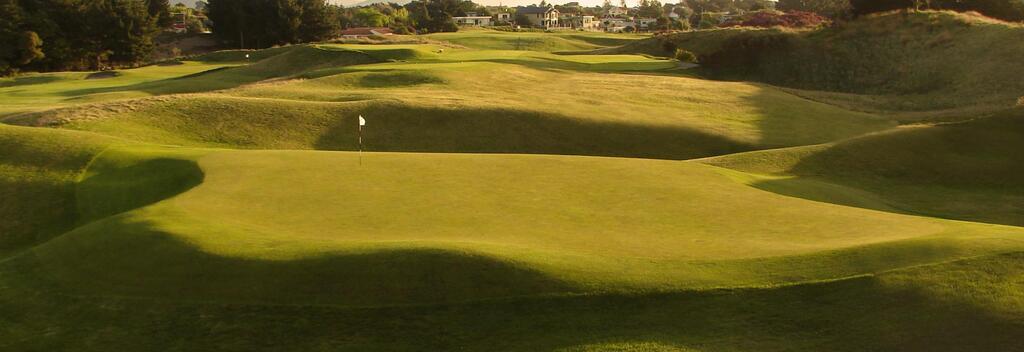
(361,123)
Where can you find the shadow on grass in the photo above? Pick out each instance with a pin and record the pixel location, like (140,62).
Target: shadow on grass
(213,79)
(403,128)
(282,63)
(115,186)
(30,80)
(966,171)
(858,314)
(127,256)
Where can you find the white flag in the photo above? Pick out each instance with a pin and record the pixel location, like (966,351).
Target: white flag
(362,122)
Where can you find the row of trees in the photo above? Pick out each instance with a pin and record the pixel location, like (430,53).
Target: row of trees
(264,23)
(77,34)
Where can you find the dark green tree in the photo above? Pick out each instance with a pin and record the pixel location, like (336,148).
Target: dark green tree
(318,21)
(161,10)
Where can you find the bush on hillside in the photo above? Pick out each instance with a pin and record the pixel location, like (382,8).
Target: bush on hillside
(685,56)
(794,19)
(741,53)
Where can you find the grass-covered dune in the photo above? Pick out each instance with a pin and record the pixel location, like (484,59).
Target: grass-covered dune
(915,61)
(967,305)
(270,248)
(467,100)
(38,172)
(969,170)
(219,204)
(534,41)
(220,70)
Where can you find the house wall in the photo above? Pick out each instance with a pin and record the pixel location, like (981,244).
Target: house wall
(549,19)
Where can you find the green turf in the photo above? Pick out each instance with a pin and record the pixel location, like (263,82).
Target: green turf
(467,100)
(963,170)
(512,198)
(38,171)
(534,41)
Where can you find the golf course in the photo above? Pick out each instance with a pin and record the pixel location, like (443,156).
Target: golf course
(527,191)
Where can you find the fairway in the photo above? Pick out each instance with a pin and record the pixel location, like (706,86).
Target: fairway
(510,191)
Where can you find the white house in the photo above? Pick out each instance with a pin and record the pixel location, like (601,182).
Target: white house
(645,23)
(471,19)
(539,16)
(579,22)
(503,17)
(616,25)
(617,12)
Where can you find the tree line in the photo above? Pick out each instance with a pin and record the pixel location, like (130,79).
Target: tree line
(77,34)
(52,35)
(264,23)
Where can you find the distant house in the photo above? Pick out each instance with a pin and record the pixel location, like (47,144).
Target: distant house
(645,23)
(503,18)
(539,16)
(616,25)
(579,22)
(617,12)
(360,32)
(471,19)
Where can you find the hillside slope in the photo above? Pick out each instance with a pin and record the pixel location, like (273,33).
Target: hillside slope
(969,170)
(893,61)
(451,250)
(465,100)
(38,172)
(437,228)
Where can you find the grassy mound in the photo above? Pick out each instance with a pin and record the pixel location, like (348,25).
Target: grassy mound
(467,228)
(903,61)
(115,244)
(412,107)
(964,170)
(215,71)
(533,41)
(38,171)
(958,306)
(506,244)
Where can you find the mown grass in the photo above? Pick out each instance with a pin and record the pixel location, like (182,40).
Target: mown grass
(38,172)
(170,243)
(465,100)
(962,170)
(959,306)
(534,41)
(448,228)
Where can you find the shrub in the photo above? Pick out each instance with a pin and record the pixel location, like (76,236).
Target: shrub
(743,53)
(194,25)
(685,56)
(794,19)
(667,44)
